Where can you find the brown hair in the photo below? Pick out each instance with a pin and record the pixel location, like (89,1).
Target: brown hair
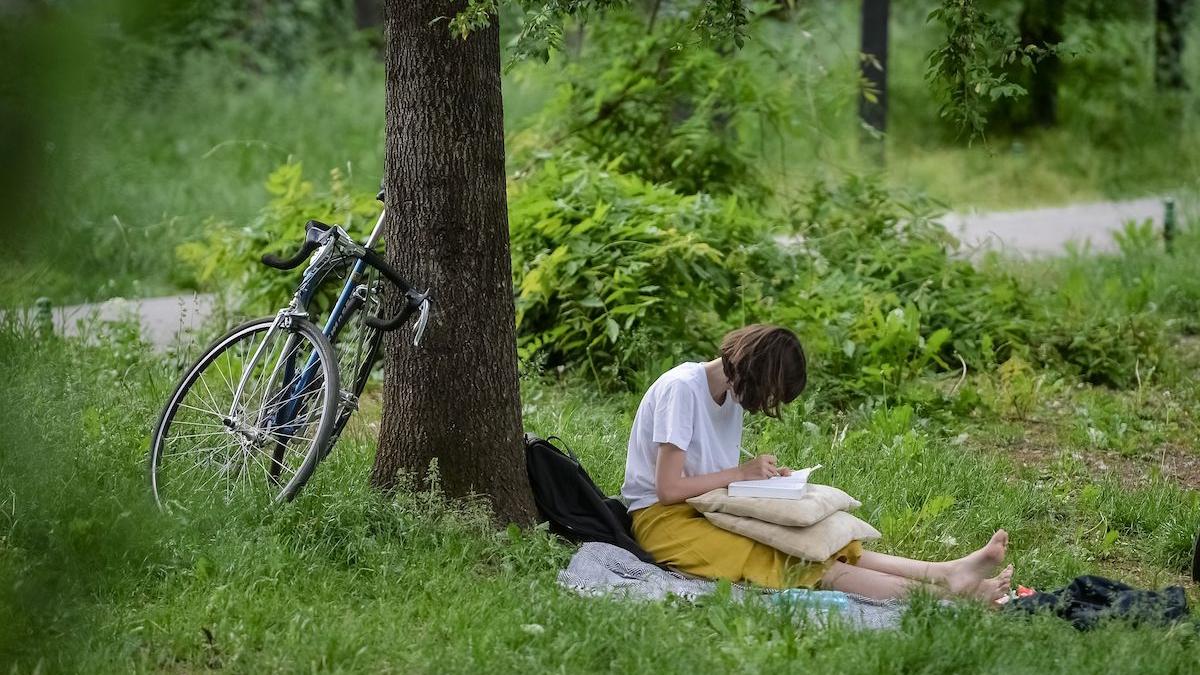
(765,367)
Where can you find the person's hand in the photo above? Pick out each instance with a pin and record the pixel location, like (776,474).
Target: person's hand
(784,471)
(762,466)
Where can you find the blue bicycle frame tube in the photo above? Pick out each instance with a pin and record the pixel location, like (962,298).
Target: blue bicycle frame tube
(336,314)
(288,413)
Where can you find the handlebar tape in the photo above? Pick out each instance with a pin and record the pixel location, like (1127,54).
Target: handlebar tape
(271,260)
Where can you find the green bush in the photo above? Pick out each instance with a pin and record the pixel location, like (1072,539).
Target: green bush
(677,116)
(882,296)
(611,269)
(1105,317)
(616,275)
(1084,327)
(228,256)
(1142,276)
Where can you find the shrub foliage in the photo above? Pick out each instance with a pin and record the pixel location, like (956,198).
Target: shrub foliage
(615,274)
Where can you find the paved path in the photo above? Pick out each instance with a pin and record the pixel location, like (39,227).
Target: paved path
(1047,231)
(163,319)
(1033,232)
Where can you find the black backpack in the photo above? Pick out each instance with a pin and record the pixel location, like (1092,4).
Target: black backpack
(567,497)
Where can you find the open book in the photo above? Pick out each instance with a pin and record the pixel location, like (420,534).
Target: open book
(779,487)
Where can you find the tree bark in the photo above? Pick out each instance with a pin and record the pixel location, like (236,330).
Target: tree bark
(1040,24)
(874,48)
(1169,23)
(456,398)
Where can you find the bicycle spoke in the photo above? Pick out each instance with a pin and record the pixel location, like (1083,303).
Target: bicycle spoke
(281,465)
(255,457)
(264,384)
(199,435)
(282,404)
(197,424)
(212,398)
(264,403)
(305,419)
(301,399)
(192,468)
(203,410)
(225,369)
(196,451)
(292,437)
(207,447)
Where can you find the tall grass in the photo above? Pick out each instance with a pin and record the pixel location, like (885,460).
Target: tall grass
(146,168)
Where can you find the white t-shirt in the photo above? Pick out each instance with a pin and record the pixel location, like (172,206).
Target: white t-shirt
(679,409)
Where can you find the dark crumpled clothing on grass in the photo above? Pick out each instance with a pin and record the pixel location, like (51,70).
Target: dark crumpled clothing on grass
(1088,600)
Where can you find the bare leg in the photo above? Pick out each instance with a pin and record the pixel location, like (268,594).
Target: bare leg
(893,577)
(919,570)
(868,582)
(883,586)
(969,569)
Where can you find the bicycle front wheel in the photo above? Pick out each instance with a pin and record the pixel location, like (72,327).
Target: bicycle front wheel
(249,419)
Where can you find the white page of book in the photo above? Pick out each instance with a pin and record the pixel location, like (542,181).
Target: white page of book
(799,478)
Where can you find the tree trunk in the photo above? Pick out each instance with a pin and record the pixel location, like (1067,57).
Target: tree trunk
(1040,24)
(367,13)
(874,48)
(1169,23)
(455,398)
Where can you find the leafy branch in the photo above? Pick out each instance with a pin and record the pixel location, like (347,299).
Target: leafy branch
(968,71)
(542,22)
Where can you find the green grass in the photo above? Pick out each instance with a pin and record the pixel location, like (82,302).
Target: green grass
(145,170)
(1116,136)
(93,579)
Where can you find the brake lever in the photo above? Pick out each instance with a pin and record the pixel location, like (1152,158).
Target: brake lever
(422,321)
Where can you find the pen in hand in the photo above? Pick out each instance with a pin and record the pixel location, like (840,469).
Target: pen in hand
(784,471)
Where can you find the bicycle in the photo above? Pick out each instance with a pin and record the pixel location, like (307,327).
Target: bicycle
(264,404)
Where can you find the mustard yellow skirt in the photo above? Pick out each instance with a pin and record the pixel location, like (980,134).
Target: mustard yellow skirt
(680,536)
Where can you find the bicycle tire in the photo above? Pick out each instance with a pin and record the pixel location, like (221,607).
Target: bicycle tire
(295,329)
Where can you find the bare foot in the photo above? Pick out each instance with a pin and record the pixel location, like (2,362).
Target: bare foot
(969,575)
(988,590)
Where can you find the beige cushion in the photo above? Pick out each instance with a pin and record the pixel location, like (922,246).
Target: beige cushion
(818,502)
(815,543)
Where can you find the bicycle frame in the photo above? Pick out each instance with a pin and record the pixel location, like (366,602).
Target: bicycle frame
(309,285)
(351,282)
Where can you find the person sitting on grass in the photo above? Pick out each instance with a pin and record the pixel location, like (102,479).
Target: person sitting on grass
(685,441)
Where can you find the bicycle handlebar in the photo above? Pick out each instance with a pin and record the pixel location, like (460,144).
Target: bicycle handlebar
(315,233)
(314,230)
(271,260)
(414,300)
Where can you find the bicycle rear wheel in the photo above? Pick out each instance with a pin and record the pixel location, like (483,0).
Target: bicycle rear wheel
(249,419)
